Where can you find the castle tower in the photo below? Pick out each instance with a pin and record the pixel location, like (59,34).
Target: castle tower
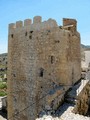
(41,58)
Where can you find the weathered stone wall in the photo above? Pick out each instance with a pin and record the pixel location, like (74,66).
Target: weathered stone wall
(83,100)
(41,58)
(71,23)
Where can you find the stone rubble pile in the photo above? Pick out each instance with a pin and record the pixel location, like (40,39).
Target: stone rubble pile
(48,117)
(69,116)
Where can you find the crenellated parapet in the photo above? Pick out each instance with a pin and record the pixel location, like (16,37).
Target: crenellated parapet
(27,22)
(37,19)
(36,24)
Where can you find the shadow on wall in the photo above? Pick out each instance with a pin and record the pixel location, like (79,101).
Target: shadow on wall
(3,114)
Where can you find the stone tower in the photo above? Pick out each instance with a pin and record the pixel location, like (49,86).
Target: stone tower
(41,57)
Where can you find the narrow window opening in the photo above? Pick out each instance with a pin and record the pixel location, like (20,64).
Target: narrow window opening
(31,31)
(72,75)
(30,37)
(57,41)
(41,72)
(52,59)
(14,75)
(11,35)
(41,87)
(3,59)
(26,34)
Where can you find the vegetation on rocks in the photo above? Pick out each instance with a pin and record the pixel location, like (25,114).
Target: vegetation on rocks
(3,88)
(3,66)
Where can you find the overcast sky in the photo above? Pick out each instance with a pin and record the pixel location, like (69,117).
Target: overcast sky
(15,10)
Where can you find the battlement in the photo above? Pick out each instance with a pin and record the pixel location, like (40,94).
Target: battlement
(36,24)
(37,19)
(27,22)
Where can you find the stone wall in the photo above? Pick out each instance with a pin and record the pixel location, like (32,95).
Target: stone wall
(71,23)
(42,57)
(83,100)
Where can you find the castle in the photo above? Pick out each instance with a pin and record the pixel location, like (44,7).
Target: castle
(44,61)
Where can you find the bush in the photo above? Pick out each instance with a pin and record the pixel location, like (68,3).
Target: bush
(3,85)
(2,93)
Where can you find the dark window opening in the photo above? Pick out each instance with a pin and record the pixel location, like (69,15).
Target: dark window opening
(41,87)
(41,72)
(26,34)
(14,75)
(3,59)
(72,75)
(30,37)
(57,41)
(11,35)
(52,59)
(31,31)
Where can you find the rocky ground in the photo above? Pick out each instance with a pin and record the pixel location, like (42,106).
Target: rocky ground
(65,113)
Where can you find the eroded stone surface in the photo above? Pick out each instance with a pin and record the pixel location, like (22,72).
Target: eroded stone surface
(42,59)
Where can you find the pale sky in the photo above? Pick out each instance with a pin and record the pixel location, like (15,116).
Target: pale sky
(15,10)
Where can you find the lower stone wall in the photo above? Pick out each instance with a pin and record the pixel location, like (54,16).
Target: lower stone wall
(83,101)
(52,101)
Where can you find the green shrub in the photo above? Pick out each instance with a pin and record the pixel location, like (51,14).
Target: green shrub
(2,93)
(3,85)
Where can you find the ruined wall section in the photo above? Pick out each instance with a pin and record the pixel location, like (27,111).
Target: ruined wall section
(71,23)
(41,57)
(82,106)
(74,56)
(73,51)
